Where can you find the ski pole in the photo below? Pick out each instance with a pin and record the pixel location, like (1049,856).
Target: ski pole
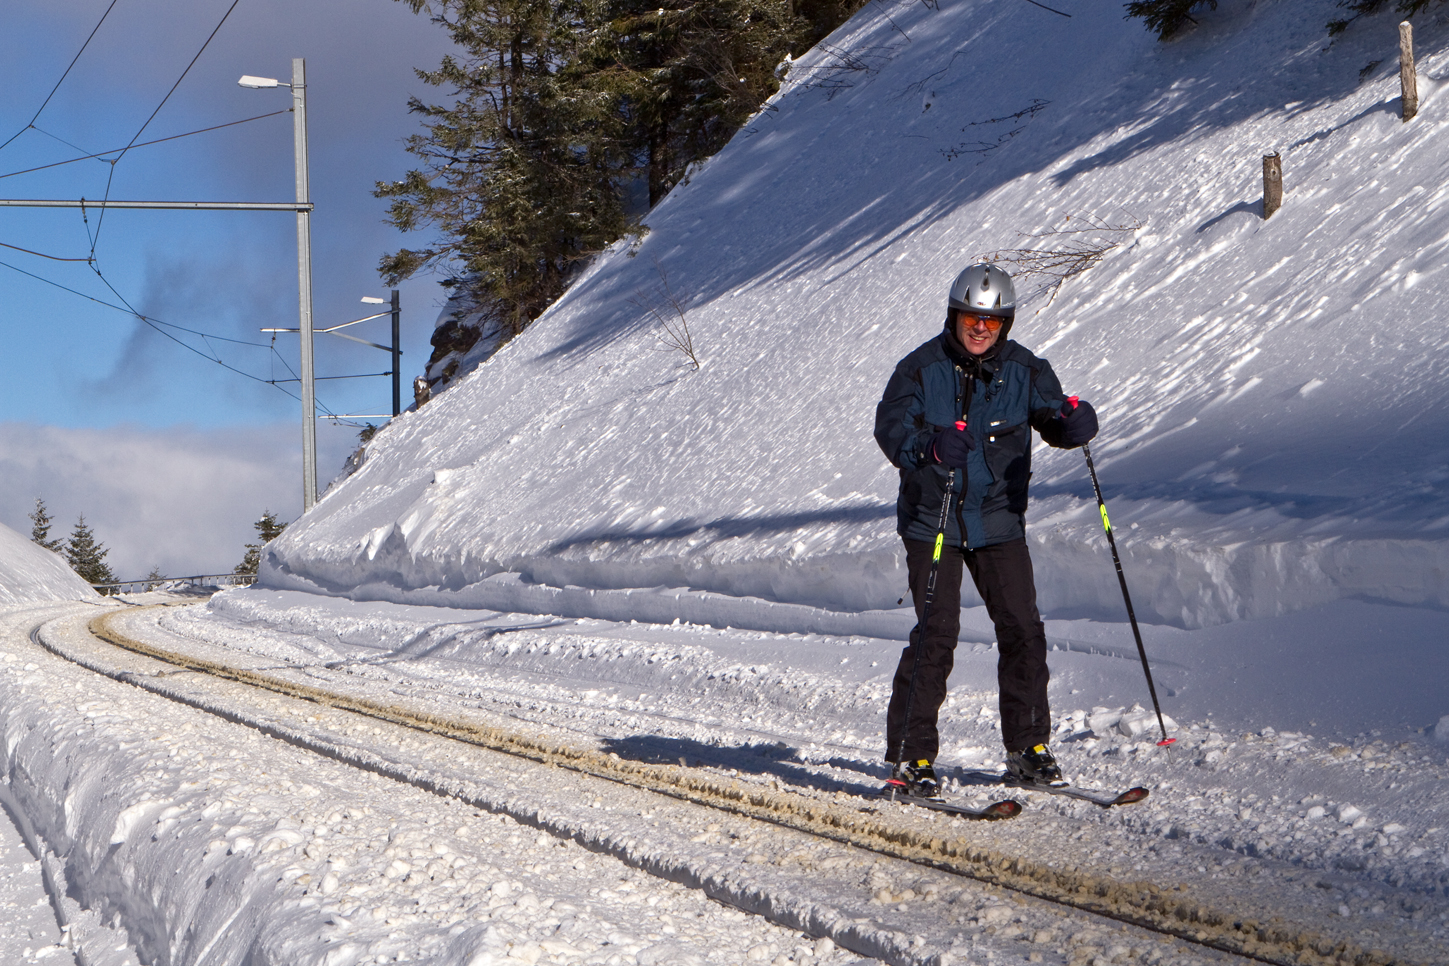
(1126,597)
(926,607)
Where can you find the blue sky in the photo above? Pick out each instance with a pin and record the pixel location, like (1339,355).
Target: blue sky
(73,364)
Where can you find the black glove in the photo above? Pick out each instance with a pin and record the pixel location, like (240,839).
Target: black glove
(952,446)
(1079,422)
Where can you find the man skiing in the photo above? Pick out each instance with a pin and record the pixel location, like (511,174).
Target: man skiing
(956,420)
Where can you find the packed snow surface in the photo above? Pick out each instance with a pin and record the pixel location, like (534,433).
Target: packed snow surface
(184,838)
(1267,388)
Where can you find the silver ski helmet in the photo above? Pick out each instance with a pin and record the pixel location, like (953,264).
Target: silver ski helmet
(983,289)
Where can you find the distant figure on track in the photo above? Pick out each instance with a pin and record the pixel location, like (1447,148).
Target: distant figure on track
(956,420)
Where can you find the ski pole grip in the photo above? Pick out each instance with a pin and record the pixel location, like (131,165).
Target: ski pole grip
(960,425)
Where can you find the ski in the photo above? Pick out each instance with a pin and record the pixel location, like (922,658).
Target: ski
(997,810)
(1135,794)
(1131,796)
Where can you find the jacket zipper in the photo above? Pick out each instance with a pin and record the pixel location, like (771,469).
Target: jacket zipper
(965,390)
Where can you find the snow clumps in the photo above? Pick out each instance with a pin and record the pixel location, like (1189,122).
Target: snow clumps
(1132,722)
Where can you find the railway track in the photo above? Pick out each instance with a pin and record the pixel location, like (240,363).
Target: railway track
(1207,922)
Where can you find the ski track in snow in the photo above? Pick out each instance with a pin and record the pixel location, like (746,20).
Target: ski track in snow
(1357,826)
(209,842)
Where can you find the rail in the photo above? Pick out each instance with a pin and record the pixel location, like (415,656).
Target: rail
(1170,910)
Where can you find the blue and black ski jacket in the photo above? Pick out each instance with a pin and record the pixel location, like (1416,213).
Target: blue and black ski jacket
(1002,395)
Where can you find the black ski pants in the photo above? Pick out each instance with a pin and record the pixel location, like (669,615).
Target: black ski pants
(1004,579)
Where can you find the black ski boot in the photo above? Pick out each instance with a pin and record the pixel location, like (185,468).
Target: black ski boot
(915,778)
(1035,766)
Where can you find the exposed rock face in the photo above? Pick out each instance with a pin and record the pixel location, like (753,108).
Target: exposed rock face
(465,337)
(451,338)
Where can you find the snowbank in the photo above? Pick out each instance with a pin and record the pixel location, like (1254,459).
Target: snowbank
(29,573)
(1266,387)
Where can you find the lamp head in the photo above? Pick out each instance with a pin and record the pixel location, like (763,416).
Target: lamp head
(248,80)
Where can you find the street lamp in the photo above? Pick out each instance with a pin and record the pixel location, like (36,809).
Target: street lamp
(396,347)
(304,269)
(395,310)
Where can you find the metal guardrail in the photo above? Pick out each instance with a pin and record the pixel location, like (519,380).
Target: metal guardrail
(175,583)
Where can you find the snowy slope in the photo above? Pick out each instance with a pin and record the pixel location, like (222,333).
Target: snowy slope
(30,574)
(1268,389)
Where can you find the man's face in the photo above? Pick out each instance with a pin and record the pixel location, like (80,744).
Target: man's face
(977,333)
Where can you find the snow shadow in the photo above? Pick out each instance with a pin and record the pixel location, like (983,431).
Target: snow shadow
(912,179)
(728,528)
(772,759)
(1249,207)
(1393,107)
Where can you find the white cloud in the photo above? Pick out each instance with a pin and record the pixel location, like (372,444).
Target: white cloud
(182,499)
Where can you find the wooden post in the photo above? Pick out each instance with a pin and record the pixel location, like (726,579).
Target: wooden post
(1272,184)
(1408,82)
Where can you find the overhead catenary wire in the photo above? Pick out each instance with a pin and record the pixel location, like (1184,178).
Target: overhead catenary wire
(161,326)
(205,337)
(93,233)
(143,144)
(111,177)
(54,258)
(1054,10)
(63,76)
(56,137)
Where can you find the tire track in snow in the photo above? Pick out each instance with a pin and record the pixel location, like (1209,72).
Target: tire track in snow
(1171,911)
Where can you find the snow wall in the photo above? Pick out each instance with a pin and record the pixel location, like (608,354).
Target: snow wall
(30,573)
(1268,388)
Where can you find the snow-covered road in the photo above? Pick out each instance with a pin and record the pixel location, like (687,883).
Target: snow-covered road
(155,805)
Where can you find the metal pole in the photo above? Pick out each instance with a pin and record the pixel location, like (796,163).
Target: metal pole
(1126,597)
(396,354)
(304,285)
(920,643)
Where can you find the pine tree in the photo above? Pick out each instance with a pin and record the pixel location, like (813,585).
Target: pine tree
(155,578)
(564,107)
(268,529)
(519,173)
(1359,8)
(40,531)
(1167,17)
(86,556)
(687,75)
